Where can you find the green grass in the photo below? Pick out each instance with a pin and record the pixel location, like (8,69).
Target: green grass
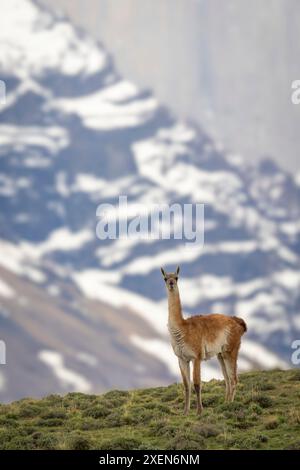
(264,415)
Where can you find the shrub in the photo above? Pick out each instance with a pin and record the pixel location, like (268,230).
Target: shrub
(44,441)
(29,411)
(89,424)
(120,443)
(139,415)
(206,430)
(262,438)
(53,398)
(168,430)
(78,442)
(170,394)
(248,442)
(232,407)
(210,400)
(186,441)
(52,422)
(157,407)
(13,416)
(244,424)
(19,443)
(295,376)
(264,401)
(272,423)
(115,419)
(295,416)
(116,394)
(255,408)
(293,446)
(98,411)
(160,427)
(54,414)
(264,386)
(5,437)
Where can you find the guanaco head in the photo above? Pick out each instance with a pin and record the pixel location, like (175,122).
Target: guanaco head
(170,279)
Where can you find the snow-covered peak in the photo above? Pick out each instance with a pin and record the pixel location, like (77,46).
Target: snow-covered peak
(31,42)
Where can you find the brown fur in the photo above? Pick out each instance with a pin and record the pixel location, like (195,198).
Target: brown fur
(241,322)
(201,337)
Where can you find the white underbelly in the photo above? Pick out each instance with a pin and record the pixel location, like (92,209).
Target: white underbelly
(208,353)
(210,350)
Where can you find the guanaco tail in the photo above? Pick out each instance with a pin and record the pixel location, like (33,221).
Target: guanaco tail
(199,338)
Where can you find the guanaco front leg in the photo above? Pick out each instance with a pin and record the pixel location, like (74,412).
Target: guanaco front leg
(185,372)
(197,384)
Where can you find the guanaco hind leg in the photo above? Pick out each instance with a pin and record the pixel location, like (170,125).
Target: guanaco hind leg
(226,378)
(231,368)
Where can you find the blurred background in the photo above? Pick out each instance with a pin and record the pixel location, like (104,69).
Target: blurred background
(228,65)
(165,101)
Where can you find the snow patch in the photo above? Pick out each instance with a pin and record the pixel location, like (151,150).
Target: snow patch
(61,239)
(10,186)
(290,228)
(103,111)
(288,278)
(52,138)
(101,285)
(145,264)
(6,290)
(67,377)
(160,349)
(86,183)
(261,355)
(14,259)
(180,132)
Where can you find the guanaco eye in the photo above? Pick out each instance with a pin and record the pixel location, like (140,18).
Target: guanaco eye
(176,278)
(165,279)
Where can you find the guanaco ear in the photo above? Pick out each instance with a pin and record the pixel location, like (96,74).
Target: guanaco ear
(177,270)
(163,272)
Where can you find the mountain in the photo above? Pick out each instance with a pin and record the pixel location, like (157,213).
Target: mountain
(264,415)
(78,313)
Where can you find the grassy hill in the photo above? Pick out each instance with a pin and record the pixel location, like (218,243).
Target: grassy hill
(265,415)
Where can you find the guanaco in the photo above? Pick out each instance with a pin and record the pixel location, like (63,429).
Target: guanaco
(199,338)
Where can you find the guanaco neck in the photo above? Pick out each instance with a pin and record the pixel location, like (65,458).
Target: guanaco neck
(175,312)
